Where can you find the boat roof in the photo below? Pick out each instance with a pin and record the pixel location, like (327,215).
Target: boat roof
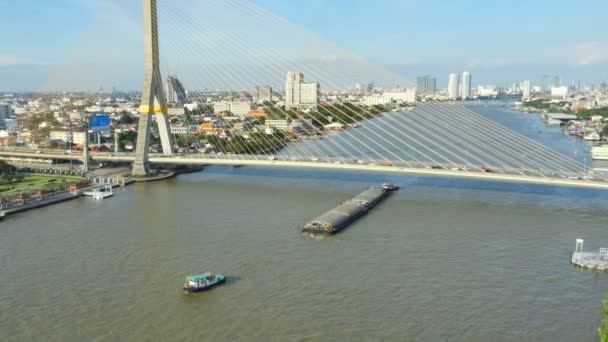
(195,277)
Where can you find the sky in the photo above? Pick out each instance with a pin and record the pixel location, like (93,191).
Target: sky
(498,41)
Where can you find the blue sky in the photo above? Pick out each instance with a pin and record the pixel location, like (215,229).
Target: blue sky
(499,42)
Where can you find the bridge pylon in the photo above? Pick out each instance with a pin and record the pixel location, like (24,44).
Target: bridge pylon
(153,100)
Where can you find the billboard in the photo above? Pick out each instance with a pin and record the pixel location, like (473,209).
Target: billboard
(100,123)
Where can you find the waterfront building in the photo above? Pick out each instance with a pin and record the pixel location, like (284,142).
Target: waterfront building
(426,84)
(236,108)
(487,91)
(408,96)
(176,93)
(526,89)
(6,112)
(453,86)
(300,94)
(466,85)
(262,94)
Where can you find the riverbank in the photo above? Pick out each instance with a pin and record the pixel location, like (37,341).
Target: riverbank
(116,177)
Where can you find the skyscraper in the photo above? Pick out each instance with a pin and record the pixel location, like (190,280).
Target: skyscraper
(557,82)
(299,94)
(466,85)
(527,89)
(544,83)
(453,86)
(426,84)
(176,93)
(6,112)
(262,93)
(370,87)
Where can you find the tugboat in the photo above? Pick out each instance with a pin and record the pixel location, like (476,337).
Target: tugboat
(389,187)
(200,282)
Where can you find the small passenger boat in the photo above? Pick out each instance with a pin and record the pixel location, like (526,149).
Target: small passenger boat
(389,187)
(200,282)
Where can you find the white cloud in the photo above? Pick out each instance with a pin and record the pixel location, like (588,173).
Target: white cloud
(584,53)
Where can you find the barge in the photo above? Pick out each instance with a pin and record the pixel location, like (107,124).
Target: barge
(338,218)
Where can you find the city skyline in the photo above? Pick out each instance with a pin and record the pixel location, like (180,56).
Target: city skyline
(76,31)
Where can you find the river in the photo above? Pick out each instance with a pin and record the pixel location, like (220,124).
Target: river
(442,259)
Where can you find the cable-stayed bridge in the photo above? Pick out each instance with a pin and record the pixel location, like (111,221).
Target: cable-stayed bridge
(430,138)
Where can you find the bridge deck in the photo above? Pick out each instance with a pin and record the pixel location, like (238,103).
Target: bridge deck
(203,159)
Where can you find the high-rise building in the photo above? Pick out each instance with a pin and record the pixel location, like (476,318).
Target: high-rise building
(557,82)
(6,112)
(426,84)
(526,89)
(176,93)
(299,94)
(453,86)
(466,85)
(262,94)
(371,87)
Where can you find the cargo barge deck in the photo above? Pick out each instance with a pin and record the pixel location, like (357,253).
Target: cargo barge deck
(340,217)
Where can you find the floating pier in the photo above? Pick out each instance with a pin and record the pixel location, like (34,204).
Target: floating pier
(594,261)
(346,213)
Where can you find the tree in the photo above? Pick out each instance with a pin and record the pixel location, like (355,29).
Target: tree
(126,119)
(6,168)
(603,329)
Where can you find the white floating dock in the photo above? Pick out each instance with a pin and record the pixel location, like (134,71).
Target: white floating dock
(594,261)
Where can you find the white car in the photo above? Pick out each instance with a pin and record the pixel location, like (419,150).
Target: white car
(314,159)
(272,158)
(360,162)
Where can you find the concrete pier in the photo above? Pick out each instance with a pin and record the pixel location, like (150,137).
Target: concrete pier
(48,200)
(593,261)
